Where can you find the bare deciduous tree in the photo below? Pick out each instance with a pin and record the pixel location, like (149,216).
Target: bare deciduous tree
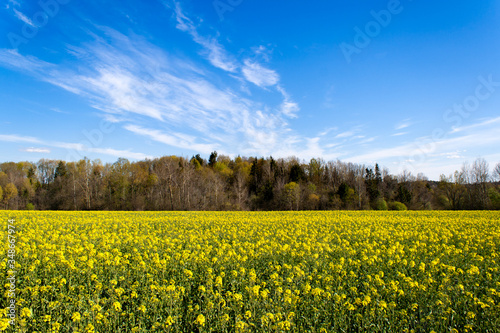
(496,171)
(480,176)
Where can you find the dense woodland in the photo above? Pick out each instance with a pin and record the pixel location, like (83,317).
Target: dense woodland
(222,183)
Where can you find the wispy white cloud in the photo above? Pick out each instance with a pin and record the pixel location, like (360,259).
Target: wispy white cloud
(428,154)
(368,140)
(36,150)
(27,64)
(259,75)
(217,56)
(132,81)
(484,122)
(117,153)
(262,52)
(18,138)
(57,110)
(328,102)
(328,130)
(399,133)
(23,17)
(314,147)
(214,52)
(458,154)
(173,139)
(403,124)
(251,70)
(78,147)
(331,145)
(288,107)
(345,134)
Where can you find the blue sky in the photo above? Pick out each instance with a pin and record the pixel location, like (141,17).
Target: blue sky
(409,84)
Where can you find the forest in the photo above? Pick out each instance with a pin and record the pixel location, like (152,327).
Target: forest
(241,183)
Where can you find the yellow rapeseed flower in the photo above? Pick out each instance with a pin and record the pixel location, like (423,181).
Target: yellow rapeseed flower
(76,316)
(200,320)
(117,306)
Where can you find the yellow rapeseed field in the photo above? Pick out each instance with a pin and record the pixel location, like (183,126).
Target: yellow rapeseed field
(252,271)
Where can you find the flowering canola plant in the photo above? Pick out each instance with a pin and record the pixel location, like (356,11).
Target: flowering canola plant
(254,271)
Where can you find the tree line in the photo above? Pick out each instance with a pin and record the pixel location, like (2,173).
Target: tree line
(223,183)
